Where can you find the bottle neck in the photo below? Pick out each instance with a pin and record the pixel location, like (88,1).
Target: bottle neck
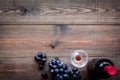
(111,70)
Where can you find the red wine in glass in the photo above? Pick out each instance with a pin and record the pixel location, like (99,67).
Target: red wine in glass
(79,58)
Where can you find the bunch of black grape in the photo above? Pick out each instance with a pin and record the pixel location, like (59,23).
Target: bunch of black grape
(60,71)
(41,59)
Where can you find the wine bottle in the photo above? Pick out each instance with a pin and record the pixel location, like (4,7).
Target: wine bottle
(101,68)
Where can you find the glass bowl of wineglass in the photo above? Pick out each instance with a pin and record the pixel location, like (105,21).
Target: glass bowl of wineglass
(79,58)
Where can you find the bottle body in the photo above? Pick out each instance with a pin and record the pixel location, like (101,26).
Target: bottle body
(101,68)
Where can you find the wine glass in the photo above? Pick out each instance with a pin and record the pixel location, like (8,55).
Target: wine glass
(79,58)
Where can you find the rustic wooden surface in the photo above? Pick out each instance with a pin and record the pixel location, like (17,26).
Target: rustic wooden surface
(61,26)
(20,43)
(59,11)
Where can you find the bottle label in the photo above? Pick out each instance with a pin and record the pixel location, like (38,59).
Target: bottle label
(104,63)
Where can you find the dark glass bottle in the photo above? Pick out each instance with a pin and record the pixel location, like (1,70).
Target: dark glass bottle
(101,68)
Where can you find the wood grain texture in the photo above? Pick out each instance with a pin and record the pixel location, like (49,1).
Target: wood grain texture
(59,12)
(26,40)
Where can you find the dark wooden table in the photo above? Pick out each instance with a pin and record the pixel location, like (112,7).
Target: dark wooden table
(56,27)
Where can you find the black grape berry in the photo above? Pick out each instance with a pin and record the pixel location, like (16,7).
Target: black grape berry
(44,75)
(56,58)
(44,60)
(61,70)
(75,69)
(53,62)
(66,77)
(43,56)
(54,66)
(77,73)
(37,59)
(50,65)
(52,71)
(69,72)
(58,61)
(60,77)
(65,66)
(56,70)
(40,54)
(75,77)
(60,65)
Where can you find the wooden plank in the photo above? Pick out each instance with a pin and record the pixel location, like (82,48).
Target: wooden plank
(27,40)
(7,12)
(6,3)
(27,69)
(60,12)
